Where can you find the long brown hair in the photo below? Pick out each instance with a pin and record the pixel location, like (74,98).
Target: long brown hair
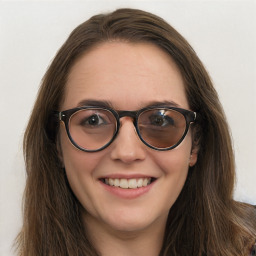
(204,220)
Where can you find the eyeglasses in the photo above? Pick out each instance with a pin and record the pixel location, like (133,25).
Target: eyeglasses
(92,129)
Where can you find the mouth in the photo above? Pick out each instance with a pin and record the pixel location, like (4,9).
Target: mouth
(128,183)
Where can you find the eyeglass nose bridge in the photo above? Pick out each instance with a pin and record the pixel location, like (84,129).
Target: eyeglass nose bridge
(132,114)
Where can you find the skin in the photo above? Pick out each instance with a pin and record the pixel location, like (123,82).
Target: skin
(130,77)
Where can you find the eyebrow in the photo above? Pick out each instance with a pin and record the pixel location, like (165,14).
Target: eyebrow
(108,104)
(96,103)
(165,103)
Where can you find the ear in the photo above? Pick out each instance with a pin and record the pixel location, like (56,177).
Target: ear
(196,139)
(193,155)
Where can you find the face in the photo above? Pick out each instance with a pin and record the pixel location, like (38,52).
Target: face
(129,77)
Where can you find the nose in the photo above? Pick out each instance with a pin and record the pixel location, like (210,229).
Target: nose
(127,146)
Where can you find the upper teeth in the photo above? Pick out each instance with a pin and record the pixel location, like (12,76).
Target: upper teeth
(128,183)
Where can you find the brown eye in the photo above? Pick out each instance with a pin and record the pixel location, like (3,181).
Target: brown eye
(161,120)
(93,120)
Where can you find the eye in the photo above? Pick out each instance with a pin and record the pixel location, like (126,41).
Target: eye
(93,120)
(161,120)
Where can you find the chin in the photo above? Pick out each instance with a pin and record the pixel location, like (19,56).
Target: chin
(130,221)
(129,225)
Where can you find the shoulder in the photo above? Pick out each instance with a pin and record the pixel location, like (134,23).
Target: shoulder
(253,250)
(252,215)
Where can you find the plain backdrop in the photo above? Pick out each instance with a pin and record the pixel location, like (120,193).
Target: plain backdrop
(223,33)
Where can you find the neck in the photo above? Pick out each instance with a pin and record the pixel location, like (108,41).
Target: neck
(109,242)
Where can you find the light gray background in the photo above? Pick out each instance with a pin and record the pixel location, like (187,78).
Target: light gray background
(223,33)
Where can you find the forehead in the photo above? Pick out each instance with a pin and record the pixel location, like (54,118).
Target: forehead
(128,75)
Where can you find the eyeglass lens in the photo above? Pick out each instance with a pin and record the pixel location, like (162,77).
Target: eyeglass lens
(161,128)
(92,129)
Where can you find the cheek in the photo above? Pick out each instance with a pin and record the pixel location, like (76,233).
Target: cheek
(74,159)
(177,159)
(79,166)
(175,169)
(81,169)
(174,164)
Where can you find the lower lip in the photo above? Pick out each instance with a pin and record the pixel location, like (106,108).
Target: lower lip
(127,193)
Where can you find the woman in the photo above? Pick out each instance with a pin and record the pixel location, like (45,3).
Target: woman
(128,151)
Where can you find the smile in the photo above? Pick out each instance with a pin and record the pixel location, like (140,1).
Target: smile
(128,183)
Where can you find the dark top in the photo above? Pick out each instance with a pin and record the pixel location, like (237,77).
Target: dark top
(253,251)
